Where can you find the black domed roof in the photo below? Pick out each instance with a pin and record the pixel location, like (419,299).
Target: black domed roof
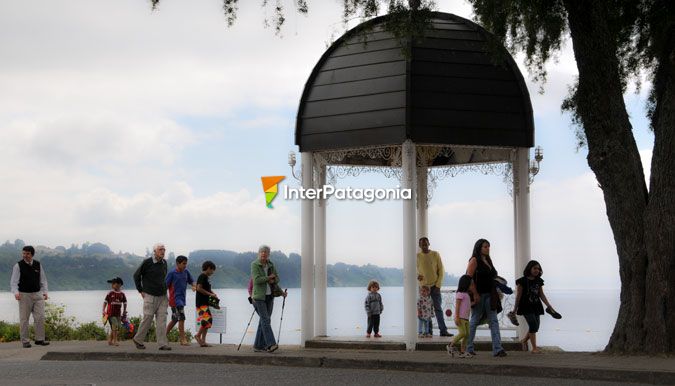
(451,89)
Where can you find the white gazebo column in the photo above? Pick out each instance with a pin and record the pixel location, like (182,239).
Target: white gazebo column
(521,211)
(307,252)
(320,273)
(408,181)
(422,204)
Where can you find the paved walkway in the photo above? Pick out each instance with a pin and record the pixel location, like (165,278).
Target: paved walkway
(588,366)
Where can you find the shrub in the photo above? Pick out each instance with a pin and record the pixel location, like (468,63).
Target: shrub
(90,331)
(9,332)
(58,326)
(173,335)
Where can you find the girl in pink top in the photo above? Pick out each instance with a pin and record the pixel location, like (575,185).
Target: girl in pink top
(462,309)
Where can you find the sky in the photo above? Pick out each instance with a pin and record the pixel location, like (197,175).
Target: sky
(126,126)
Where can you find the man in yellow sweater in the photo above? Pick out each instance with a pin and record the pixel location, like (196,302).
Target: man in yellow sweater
(430,273)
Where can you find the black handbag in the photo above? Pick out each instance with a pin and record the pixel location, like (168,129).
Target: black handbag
(276,290)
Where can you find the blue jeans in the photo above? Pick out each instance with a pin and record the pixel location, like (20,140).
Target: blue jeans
(264,337)
(477,312)
(423,325)
(438,309)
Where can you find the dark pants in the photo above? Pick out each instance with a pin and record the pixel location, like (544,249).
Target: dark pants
(438,309)
(532,322)
(373,323)
(264,337)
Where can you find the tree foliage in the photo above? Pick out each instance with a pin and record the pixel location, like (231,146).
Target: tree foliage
(231,7)
(641,31)
(352,9)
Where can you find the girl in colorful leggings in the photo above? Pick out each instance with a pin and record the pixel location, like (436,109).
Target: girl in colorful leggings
(462,310)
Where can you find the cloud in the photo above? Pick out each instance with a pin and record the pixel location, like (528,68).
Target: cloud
(232,220)
(180,59)
(646,158)
(86,139)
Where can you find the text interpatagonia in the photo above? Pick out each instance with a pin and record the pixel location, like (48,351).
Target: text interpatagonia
(326,191)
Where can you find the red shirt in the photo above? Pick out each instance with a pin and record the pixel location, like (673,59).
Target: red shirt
(115,300)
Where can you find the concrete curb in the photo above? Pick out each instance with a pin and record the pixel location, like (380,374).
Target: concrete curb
(598,374)
(259,360)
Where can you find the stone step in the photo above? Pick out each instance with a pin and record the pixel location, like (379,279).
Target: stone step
(436,343)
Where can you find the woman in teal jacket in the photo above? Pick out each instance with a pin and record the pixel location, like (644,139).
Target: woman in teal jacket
(264,275)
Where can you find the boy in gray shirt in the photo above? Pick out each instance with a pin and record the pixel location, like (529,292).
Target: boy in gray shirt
(374,308)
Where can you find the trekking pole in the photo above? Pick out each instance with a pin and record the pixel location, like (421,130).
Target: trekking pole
(283,305)
(247,326)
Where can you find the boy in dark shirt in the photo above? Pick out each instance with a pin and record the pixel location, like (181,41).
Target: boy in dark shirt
(112,309)
(177,281)
(204,318)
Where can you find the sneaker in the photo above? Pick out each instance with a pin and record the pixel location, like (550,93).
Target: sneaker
(273,348)
(446,333)
(465,355)
(513,319)
(42,343)
(139,346)
(378,335)
(502,353)
(451,350)
(165,348)
(27,345)
(256,349)
(367,335)
(469,354)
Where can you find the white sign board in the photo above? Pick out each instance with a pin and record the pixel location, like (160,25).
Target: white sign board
(219,324)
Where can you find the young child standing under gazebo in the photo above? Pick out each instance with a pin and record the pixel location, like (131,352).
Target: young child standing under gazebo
(374,308)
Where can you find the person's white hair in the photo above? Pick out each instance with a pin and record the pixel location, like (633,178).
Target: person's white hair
(157,246)
(264,248)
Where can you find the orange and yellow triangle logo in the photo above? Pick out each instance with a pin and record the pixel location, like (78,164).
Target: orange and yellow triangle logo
(271,188)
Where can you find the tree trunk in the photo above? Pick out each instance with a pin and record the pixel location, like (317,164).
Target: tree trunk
(614,158)
(660,215)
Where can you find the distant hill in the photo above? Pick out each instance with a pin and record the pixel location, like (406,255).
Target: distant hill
(87,267)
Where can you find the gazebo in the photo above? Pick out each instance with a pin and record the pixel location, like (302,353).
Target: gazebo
(446,102)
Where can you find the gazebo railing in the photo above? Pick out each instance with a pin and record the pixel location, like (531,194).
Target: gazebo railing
(448,301)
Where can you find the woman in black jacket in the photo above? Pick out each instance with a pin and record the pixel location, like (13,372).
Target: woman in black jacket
(487,303)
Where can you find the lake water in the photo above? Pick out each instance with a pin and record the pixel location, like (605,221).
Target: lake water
(588,315)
